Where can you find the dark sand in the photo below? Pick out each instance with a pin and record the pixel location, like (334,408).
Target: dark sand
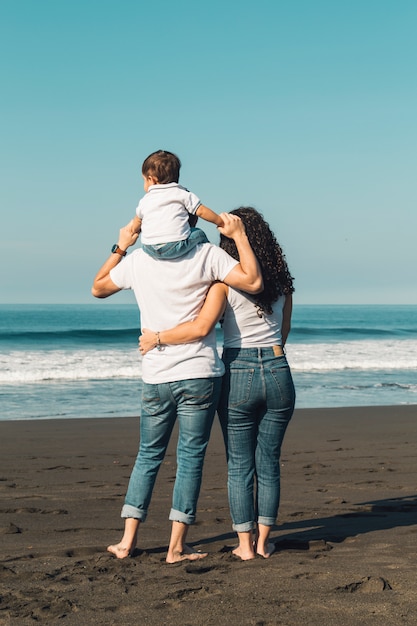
(346,539)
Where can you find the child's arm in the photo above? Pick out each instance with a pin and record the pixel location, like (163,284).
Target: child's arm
(135,224)
(187,332)
(209,216)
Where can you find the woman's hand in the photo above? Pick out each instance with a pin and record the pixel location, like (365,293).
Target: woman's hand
(147,341)
(232,226)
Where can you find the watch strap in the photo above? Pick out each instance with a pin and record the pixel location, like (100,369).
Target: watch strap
(116,250)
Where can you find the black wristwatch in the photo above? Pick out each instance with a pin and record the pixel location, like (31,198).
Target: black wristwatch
(116,250)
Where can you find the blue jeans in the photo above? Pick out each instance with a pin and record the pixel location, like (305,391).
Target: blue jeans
(175,249)
(194,403)
(256,404)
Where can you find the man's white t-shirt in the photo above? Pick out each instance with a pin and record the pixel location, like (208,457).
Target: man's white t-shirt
(164,211)
(169,292)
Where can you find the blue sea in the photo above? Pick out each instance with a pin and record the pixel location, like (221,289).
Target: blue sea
(60,361)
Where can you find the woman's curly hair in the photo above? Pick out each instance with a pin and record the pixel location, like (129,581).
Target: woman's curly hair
(276,275)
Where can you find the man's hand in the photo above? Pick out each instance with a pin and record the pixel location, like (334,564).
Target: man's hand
(127,237)
(103,286)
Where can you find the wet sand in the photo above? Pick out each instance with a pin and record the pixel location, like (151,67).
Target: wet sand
(346,537)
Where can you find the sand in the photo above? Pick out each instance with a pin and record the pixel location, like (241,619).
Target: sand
(346,537)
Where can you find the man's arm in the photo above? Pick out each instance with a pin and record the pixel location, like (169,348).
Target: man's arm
(247,275)
(196,329)
(103,286)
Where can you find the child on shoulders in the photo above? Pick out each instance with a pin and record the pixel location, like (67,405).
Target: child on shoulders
(162,214)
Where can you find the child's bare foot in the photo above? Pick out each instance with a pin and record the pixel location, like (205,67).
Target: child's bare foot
(120,551)
(267,550)
(186,555)
(245,555)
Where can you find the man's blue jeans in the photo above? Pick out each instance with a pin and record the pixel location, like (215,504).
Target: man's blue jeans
(257,402)
(194,403)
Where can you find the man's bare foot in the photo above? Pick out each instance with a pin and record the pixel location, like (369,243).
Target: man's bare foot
(120,551)
(244,555)
(267,551)
(186,555)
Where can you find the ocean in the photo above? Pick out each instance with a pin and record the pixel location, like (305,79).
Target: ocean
(76,361)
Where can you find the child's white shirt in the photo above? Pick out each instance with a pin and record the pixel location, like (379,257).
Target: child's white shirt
(164,212)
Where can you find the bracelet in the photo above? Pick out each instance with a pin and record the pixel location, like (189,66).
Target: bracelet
(158,341)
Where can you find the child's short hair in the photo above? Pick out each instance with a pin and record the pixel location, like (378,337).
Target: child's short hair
(162,165)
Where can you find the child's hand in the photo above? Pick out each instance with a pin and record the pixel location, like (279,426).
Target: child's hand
(219,221)
(135,225)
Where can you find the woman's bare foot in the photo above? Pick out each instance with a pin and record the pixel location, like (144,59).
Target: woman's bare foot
(267,550)
(127,544)
(186,555)
(120,551)
(245,549)
(244,555)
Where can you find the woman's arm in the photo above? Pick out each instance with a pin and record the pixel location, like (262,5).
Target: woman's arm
(187,332)
(286,318)
(246,276)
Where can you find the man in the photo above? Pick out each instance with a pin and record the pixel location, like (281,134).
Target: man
(179,382)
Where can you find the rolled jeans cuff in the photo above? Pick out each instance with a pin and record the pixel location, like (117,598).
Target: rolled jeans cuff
(243,528)
(131,511)
(178,516)
(266,521)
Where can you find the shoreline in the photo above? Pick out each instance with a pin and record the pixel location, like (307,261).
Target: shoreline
(345,536)
(356,408)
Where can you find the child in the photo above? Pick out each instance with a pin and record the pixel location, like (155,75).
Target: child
(162,214)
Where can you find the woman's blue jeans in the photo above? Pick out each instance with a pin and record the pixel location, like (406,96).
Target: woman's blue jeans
(193,402)
(256,404)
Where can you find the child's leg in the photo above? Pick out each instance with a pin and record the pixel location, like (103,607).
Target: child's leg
(175,249)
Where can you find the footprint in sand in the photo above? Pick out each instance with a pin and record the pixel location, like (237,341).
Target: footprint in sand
(369,584)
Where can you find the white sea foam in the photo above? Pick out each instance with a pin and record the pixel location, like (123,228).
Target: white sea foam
(66,365)
(353,355)
(32,366)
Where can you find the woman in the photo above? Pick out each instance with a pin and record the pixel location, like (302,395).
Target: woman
(258,396)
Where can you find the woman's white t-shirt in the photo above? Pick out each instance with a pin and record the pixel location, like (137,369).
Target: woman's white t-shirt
(244,328)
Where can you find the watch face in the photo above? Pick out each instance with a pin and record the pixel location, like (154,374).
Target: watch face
(115,247)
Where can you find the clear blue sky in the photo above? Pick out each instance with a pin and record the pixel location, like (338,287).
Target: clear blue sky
(305,110)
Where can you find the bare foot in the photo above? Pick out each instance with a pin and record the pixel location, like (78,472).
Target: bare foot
(120,551)
(186,555)
(245,555)
(266,553)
